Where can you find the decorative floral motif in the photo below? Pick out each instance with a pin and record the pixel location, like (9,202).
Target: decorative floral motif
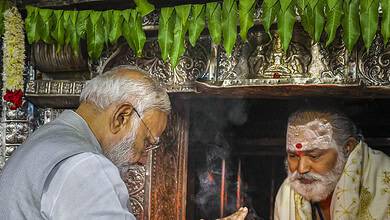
(13,58)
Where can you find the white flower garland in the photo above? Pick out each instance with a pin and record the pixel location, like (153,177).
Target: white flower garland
(13,51)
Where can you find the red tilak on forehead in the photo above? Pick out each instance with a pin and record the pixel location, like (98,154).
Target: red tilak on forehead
(299,146)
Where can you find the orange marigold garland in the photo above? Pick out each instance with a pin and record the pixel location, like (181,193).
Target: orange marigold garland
(13,58)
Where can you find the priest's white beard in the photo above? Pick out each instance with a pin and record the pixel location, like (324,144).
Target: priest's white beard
(322,186)
(123,153)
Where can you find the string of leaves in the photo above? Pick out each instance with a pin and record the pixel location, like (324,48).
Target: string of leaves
(321,19)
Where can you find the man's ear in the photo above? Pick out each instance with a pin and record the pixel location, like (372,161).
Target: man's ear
(350,144)
(121,117)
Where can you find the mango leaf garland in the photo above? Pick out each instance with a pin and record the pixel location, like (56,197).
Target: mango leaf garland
(32,23)
(369,20)
(213,11)
(350,23)
(333,21)
(286,21)
(179,32)
(197,23)
(144,7)
(82,20)
(270,12)
(229,25)
(246,11)
(165,31)
(95,35)
(46,25)
(385,28)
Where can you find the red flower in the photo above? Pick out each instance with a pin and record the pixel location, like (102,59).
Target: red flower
(14,97)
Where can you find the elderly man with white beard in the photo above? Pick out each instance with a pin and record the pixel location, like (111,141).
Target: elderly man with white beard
(68,168)
(332,173)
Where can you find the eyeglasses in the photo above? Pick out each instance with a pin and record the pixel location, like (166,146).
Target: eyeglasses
(156,140)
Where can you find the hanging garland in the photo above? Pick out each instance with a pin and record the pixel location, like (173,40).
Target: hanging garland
(13,58)
(358,18)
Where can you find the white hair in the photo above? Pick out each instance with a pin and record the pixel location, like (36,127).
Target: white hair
(110,87)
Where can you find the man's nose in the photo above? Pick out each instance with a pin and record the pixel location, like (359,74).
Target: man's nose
(303,165)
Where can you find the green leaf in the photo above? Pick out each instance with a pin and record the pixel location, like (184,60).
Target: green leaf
(71,29)
(95,35)
(116,26)
(179,32)
(133,32)
(58,34)
(197,23)
(126,28)
(213,11)
(126,14)
(246,12)
(285,4)
(183,12)
(165,31)
(269,15)
(369,20)
(302,4)
(66,18)
(313,3)
(332,3)
(107,20)
(350,23)
(270,3)
(32,23)
(307,21)
(319,20)
(334,20)
(385,29)
(286,21)
(82,20)
(47,24)
(229,25)
(137,34)
(144,7)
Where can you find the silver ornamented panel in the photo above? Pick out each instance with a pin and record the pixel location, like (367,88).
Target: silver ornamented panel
(135,180)
(14,130)
(54,93)
(192,64)
(374,64)
(262,61)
